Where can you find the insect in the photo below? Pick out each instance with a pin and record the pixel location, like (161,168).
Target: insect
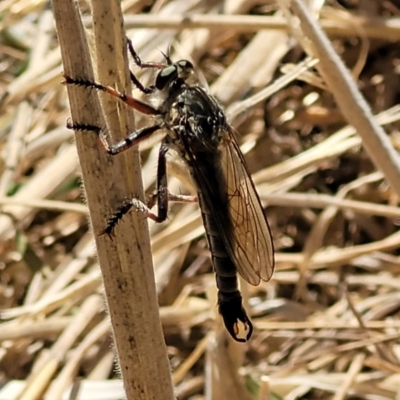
(237,231)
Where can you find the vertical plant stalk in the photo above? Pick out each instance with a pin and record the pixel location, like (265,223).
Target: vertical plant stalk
(125,262)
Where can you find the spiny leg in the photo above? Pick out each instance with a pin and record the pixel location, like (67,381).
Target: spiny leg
(144,64)
(131,140)
(135,137)
(162,189)
(141,64)
(138,205)
(129,100)
(139,85)
(161,197)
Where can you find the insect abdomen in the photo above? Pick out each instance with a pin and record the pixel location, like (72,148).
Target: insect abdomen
(229,298)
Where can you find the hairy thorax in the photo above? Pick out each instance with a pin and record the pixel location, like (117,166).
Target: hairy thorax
(193,118)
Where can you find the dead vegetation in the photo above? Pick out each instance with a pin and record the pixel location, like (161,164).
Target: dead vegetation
(327,325)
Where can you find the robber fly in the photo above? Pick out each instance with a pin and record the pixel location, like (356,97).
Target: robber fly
(238,234)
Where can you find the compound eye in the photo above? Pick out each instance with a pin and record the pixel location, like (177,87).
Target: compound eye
(165,76)
(185,69)
(185,64)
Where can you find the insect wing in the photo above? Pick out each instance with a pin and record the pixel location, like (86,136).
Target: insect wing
(250,243)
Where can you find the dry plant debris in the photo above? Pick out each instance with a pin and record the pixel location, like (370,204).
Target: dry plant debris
(327,325)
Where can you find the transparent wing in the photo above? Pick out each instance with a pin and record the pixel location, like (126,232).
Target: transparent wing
(250,244)
(241,223)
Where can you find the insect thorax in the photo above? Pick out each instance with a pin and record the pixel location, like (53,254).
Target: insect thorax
(193,119)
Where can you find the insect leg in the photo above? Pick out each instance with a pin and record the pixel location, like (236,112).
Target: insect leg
(161,195)
(138,60)
(174,198)
(133,139)
(129,100)
(162,184)
(123,209)
(138,205)
(139,85)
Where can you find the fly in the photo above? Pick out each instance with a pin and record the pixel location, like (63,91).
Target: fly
(237,231)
